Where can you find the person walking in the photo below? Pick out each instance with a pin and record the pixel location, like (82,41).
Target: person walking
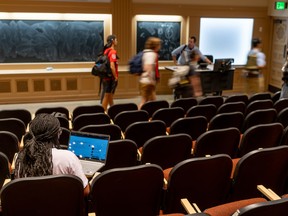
(256,61)
(150,73)
(109,85)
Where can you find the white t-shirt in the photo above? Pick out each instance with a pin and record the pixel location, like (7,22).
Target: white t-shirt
(261,58)
(65,162)
(149,58)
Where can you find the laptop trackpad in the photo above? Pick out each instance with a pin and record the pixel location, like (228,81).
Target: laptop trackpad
(90,167)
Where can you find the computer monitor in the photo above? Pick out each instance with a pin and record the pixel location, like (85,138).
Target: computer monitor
(222,65)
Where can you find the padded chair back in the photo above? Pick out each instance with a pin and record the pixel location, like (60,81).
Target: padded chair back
(90,119)
(112,130)
(117,108)
(121,153)
(193,126)
(281,104)
(259,104)
(282,117)
(237,98)
(184,103)
(9,144)
(232,107)
(152,106)
(284,139)
(4,168)
(51,195)
(64,138)
(86,109)
(167,151)
(260,136)
(168,115)
(256,117)
(215,100)
(275,97)
(206,188)
(13,125)
(140,132)
(51,110)
(208,111)
(218,141)
(64,122)
(128,191)
(275,207)
(266,167)
(125,118)
(259,96)
(22,114)
(226,120)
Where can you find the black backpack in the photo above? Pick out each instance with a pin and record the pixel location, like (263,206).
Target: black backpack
(102,66)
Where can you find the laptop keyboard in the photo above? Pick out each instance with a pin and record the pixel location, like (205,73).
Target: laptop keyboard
(90,167)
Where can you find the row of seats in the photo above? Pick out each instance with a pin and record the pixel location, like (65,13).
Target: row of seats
(168,115)
(139,190)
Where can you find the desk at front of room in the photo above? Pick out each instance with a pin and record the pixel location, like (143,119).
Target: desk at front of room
(213,81)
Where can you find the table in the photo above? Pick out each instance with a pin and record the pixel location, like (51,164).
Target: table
(213,81)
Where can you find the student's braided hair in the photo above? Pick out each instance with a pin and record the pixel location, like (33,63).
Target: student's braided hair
(35,159)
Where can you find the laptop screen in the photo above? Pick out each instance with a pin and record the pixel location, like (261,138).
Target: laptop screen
(89,145)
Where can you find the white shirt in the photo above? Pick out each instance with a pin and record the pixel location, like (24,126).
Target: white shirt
(65,162)
(149,58)
(261,58)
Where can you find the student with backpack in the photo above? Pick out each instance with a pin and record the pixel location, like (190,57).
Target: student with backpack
(184,52)
(185,80)
(109,84)
(150,74)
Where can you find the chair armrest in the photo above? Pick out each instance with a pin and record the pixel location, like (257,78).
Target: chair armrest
(12,167)
(94,176)
(189,208)
(139,155)
(6,182)
(270,194)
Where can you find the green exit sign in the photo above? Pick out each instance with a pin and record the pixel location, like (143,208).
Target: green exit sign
(280,5)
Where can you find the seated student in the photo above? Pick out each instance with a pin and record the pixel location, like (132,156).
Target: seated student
(40,156)
(189,84)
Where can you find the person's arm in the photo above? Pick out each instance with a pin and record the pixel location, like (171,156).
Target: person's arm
(174,60)
(113,69)
(207,60)
(203,57)
(261,61)
(87,190)
(176,52)
(113,59)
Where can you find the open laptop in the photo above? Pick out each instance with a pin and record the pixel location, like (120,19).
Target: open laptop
(90,148)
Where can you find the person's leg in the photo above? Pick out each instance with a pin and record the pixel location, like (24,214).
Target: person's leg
(261,83)
(143,93)
(151,93)
(110,99)
(105,101)
(113,89)
(107,93)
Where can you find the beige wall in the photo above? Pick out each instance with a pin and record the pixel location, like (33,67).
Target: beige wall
(123,12)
